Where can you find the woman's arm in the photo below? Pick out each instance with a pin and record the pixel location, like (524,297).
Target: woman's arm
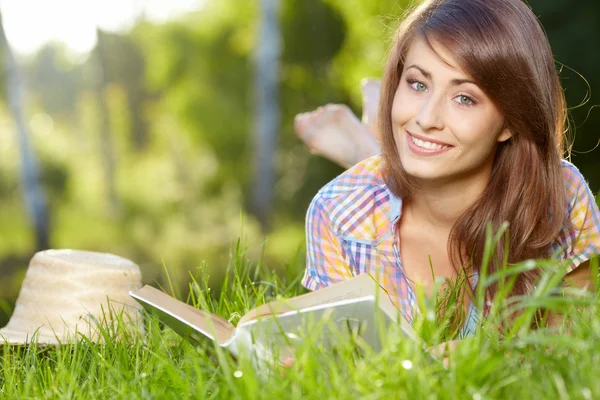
(326,260)
(581,277)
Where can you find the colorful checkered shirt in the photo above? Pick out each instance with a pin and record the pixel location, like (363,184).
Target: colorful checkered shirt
(351,230)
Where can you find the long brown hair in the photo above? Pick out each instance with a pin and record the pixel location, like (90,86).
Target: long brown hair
(502,46)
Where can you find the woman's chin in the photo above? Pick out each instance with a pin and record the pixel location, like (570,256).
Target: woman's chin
(424,170)
(425,176)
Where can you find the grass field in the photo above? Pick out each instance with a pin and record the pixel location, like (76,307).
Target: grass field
(519,363)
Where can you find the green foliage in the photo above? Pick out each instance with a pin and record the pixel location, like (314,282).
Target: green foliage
(371,26)
(203,76)
(573,36)
(314,22)
(56,79)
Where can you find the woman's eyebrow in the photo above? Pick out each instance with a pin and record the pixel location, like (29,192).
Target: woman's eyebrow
(453,82)
(424,72)
(456,82)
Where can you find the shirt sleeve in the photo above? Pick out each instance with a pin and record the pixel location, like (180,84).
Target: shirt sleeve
(326,260)
(581,241)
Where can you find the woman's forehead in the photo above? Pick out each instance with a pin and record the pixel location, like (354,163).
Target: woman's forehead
(432,55)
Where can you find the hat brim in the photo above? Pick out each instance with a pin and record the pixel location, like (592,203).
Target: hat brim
(27,338)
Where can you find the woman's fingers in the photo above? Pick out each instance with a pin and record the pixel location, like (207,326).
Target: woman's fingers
(442,350)
(288,362)
(285,364)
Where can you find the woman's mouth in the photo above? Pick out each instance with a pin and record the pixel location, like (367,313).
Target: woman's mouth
(425,147)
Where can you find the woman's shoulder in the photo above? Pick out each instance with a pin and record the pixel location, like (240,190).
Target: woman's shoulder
(357,203)
(364,175)
(570,171)
(580,238)
(575,183)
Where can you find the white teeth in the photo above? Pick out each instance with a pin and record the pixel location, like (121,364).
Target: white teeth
(427,145)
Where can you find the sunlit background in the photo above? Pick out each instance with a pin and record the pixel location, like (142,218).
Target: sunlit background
(31,24)
(141,119)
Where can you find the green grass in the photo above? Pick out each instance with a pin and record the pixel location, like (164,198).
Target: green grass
(519,363)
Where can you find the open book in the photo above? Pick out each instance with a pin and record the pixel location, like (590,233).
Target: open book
(357,307)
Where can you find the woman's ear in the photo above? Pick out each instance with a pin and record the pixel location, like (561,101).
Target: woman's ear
(504,135)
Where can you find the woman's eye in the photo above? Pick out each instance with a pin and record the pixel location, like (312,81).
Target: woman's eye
(464,100)
(417,85)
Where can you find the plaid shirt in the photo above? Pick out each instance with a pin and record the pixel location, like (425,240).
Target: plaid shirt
(351,230)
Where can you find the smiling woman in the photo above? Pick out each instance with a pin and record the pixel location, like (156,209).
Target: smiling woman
(446,128)
(472,128)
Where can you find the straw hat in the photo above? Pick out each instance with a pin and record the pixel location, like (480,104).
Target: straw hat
(63,289)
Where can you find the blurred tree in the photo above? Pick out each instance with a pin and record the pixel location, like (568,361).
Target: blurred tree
(313,33)
(203,73)
(370,28)
(267,113)
(123,63)
(30,182)
(54,81)
(100,59)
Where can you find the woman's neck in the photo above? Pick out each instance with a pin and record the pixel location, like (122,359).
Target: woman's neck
(440,205)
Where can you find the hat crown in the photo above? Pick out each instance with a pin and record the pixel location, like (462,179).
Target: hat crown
(82,257)
(63,289)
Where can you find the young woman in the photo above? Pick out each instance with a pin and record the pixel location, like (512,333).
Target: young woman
(471,125)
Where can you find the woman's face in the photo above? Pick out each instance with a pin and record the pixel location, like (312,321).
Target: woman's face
(445,127)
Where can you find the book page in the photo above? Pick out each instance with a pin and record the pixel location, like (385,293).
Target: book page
(349,319)
(359,286)
(183,318)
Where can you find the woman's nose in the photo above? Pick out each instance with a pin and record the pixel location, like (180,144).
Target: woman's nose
(431,113)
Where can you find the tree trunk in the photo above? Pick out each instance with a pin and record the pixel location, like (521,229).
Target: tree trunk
(139,128)
(30,177)
(267,112)
(107,147)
